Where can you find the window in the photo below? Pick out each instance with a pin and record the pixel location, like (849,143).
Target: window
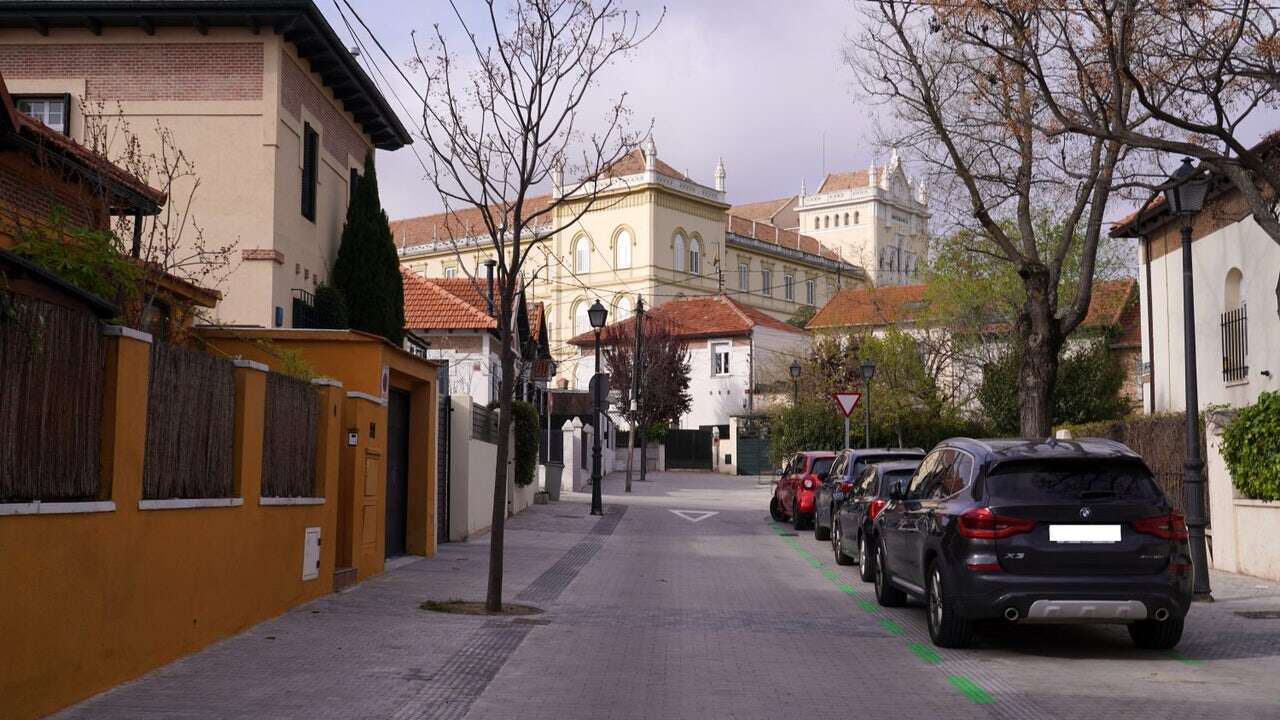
(1235,345)
(451,271)
(53,111)
(622,249)
(826,222)
(817,223)
(623,309)
(720,358)
(695,256)
(810,292)
(744,276)
(846,218)
(766,282)
(581,256)
(581,322)
(679,251)
(310,166)
(789,287)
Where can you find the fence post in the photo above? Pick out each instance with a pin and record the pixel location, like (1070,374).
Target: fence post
(250,425)
(124,415)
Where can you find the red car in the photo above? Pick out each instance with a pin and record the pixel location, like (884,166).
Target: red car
(798,483)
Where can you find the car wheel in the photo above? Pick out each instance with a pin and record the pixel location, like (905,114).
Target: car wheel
(1156,635)
(946,628)
(820,532)
(774,511)
(886,594)
(796,518)
(866,562)
(837,538)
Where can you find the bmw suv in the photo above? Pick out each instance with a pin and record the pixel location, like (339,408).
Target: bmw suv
(1035,532)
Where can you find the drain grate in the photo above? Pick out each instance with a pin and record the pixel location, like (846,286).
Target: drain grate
(1259,614)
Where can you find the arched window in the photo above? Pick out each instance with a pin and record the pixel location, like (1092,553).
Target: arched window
(695,256)
(856,220)
(826,222)
(581,322)
(623,309)
(582,255)
(817,223)
(1233,297)
(679,251)
(846,218)
(622,249)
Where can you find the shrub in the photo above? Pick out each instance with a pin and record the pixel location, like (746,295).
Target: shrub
(524,420)
(331,308)
(1088,390)
(1251,448)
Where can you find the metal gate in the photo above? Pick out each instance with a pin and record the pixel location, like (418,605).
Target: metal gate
(397,504)
(443,449)
(753,446)
(689,449)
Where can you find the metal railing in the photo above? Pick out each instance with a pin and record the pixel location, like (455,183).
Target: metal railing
(1235,345)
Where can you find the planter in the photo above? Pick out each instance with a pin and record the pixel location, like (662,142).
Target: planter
(554,470)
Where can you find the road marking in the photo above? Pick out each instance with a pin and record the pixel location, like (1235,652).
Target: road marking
(975,694)
(867,605)
(925,653)
(1182,658)
(815,562)
(696,515)
(830,574)
(892,627)
(847,589)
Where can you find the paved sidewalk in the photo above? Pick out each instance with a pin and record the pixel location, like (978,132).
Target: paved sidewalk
(658,614)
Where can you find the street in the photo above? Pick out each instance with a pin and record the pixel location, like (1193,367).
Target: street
(651,613)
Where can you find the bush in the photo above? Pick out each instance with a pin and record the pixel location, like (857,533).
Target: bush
(524,421)
(331,308)
(1251,448)
(1088,390)
(815,424)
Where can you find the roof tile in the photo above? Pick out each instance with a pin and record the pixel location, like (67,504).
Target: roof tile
(703,316)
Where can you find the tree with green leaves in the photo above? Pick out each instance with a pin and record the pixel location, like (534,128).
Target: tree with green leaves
(367,270)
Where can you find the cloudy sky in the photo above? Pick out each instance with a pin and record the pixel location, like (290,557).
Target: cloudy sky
(742,79)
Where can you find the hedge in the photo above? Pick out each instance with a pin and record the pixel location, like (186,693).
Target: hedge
(1251,448)
(524,419)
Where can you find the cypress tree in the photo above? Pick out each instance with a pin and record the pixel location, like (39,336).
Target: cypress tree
(367,270)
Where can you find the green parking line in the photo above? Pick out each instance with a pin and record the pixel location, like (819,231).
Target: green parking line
(847,589)
(867,605)
(830,574)
(815,562)
(925,653)
(1174,654)
(975,694)
(892,627)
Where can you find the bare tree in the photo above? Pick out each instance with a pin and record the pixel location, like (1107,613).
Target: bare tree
(506,120)
(980,120)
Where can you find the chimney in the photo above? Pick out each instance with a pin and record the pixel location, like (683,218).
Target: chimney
(488,274)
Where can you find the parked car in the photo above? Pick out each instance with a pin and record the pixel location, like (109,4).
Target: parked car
(798,482)
(1035,531)
(848,466)
(853,530)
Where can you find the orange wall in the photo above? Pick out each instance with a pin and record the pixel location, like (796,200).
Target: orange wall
(92,600)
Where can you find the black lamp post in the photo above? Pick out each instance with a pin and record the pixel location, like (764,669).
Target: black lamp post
(597,315)
(868,371)
(1184,194)
(795,383)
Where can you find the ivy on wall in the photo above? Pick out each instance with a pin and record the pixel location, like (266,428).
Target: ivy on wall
(1251,448)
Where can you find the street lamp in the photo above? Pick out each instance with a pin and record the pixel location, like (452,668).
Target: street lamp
(868,371)
(597,315)
(795,383)
(1184,194)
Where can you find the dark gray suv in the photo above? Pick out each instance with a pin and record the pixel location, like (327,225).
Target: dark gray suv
(1055,531)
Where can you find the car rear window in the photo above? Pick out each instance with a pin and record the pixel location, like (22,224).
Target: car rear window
(1049,482)
(889,457)
(822,466)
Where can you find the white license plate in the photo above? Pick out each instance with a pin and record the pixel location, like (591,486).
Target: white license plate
(1084,533)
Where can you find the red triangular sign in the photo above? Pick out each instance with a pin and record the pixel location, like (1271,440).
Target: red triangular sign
(847,401)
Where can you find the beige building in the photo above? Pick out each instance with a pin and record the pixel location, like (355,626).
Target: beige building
(270,106)
(653,233)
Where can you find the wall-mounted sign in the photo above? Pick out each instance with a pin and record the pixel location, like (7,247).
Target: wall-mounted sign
(353,437)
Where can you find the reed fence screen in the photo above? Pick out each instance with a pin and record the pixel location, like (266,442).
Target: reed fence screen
(190,425)
(1161,440)
(52,362)
(290,440)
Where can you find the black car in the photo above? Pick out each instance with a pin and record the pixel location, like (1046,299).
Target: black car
(848,467)
(853,530)
(1070,531)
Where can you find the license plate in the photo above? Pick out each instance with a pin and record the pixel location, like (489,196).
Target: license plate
(1084,533)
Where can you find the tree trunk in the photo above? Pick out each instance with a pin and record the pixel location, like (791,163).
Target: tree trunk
(631,444)
(644,454)
(1038,370)
(493,596)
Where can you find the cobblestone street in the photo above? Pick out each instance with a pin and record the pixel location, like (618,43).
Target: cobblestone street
(658,614)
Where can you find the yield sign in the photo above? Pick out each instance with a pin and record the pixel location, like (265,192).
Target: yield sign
(846,401)
(695,515)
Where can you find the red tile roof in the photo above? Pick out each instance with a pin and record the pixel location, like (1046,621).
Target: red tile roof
(872,306)
(633,164)
(765,210)
(700,317)
(456,225)
(432,304)
(844,181)
(1109,301)
(775,235)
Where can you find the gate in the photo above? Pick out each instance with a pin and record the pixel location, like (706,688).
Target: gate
(753,446)
(397,506)
(443,449)
(689,449)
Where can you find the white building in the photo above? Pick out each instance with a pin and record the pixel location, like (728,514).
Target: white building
(733,349)
(1234,269)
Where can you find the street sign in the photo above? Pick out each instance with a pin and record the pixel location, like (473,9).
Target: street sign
(846,401)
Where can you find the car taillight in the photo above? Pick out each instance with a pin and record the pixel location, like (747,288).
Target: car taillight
(809,483)
(1165,527)
(983,524)
(846,487)
(875,507)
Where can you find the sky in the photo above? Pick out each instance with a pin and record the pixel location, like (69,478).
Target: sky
(760,83)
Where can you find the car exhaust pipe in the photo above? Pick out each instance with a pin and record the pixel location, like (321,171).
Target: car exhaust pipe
(1011,614)
(1162,614)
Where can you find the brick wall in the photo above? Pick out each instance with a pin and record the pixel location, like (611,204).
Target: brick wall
(29,193)
(151,71)
(336,133)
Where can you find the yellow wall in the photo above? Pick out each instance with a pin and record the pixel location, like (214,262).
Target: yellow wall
(95,599)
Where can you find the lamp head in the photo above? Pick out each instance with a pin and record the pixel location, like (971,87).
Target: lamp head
(868,369)
(1186,189)
(795,370)
(597,314)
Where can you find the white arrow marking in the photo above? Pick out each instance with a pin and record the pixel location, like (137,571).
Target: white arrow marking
(695,515)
